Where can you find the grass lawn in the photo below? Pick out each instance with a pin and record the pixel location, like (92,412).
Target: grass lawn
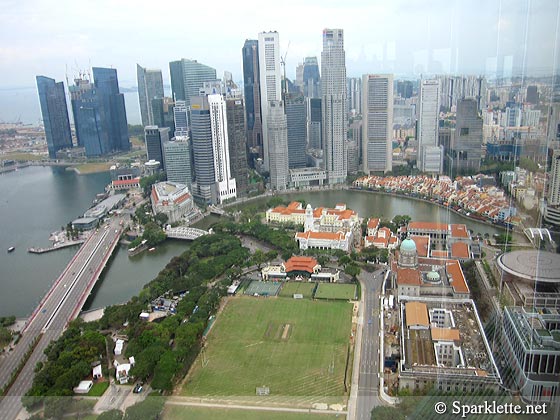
(202,413)
(93,167)
(290,288)
(296,347)
(335,291)
(24,156)
(98,389)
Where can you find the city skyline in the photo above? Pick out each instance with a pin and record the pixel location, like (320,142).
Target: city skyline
(438,39)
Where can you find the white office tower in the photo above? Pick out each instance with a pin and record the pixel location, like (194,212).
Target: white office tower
(377,125)
(554,180)
(181,118)
(430,155)
(225,184)
(177,154)
(270,82)
(278,146)
(333,87)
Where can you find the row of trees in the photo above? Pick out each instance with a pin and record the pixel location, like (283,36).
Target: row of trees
(163,351)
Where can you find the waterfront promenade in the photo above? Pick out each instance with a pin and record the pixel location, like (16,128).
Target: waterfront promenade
(60,305)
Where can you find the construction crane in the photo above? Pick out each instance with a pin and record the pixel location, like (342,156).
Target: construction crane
(284,82)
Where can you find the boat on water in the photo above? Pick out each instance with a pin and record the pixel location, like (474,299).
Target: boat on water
(151,249)
(10,249)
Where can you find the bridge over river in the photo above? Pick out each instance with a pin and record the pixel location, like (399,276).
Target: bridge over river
(61,304)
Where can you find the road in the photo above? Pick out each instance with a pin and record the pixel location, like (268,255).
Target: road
(368,380)
(61,304)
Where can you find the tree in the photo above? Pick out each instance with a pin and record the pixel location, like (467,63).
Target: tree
(149,409)
(165,371)
(111,415)
(161,218)
(352,269)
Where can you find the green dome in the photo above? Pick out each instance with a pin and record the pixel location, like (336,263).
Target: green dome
(408,245)
(433,276)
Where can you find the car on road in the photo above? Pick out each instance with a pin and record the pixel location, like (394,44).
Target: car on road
(137,389)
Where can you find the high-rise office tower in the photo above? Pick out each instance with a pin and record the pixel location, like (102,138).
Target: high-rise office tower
(311,78)
(296,120)
(270,80)
(214,183)
(278,132)
(155,138)
(252,92)
(187,77)
(163,114)
(466,147)
(225,184)
(99,113)
(237,133)
(55,114)
(554,180)
(314,124)
(335,117)
(404,88)
(532,95)
(377,119)
(299,77)
(181,119)
(150,86)
(354,95)
(430,154)
(178,165)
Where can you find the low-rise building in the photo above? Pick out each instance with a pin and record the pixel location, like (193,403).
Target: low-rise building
(443,346)
(324,240)
(300,268)
(172,199)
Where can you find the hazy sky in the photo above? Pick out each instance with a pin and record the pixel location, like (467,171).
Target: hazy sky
(405,37)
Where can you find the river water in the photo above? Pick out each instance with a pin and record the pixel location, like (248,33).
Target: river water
(36,201)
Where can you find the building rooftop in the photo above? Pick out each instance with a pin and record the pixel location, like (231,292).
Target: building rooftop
(428,226)
(301,264)
(459,250)
(416,314)
(532,265)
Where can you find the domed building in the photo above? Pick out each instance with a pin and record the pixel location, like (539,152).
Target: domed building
(408,255)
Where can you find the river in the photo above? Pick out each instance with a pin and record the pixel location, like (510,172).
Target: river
(36,201)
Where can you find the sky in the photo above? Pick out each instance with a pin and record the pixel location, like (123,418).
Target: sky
(406,37)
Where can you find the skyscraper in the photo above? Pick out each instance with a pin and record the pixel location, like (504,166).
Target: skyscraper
(177,156)
(297,139)
(554,180)
(237,132)
(278,135)
(155,139)
(311,78)
(55,114)
(163,115)
(466,147)
(150,86)
(377,120)
(99,113)
(214,183)
(187,77)
(354,95)
(314,123)
(181,119)
(430,154)
(270,80)
(333,88)
(252,96)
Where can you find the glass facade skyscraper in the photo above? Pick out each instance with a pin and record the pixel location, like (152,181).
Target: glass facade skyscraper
(296,117)
(187,77)
(55,114)
(99,113)
(150,86)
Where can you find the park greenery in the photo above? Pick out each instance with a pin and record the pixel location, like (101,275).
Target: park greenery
(5,333)
(164,350)
(147,182)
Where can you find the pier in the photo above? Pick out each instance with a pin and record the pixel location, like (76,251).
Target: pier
(55,247)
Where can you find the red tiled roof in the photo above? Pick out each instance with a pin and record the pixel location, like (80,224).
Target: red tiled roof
(427,226)
(454,270)
(421,245)
(459,231)
(373,223)
(333,236)
(408,276)
(126,181)
(460,250)
(439,253)
(300,264)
